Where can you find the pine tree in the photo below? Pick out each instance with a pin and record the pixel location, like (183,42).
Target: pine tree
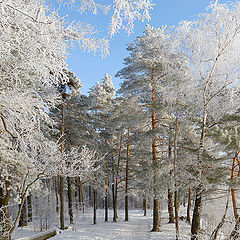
(143,72)
(101,98)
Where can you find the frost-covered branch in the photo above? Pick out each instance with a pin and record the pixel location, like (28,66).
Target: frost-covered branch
(79,161)
(25,14)
(128,11)
(5,128)
(123,13)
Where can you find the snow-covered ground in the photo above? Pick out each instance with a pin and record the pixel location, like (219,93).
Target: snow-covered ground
(137,228)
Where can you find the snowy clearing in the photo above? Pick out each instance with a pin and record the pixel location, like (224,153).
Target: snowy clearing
(138,228)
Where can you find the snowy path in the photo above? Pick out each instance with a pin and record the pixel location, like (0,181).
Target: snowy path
(138,228)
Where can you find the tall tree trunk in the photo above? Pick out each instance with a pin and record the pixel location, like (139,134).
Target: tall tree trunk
(81,194)
(175,175)
(48,183)
(23,215)
(95,206)
(198,201)
(90,195)
(156,227)
(232,189)
(70,208)
(29,204)
(61,202)
(197,213)
(189,206)
(113,176)
(113,196)
(56,193)
(116,181)
(144,207)
(176,206)
(61,193)
(234,204)
(69,181)
(106,206)
(76,192)
(106,192)
(170,195)
(126,177)
(126,208)
(170,207)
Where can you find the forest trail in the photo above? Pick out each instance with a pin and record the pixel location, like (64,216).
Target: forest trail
(138,228)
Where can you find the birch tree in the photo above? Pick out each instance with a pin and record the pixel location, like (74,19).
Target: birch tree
(211,46)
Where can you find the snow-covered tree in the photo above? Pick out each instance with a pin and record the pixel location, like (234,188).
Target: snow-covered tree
(34,42)
(146,70)
(211,47)
(33,46)
(101,96)
(122,13)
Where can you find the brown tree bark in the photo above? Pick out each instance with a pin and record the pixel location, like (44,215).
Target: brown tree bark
(126,176)
(232,189)
(176,206)
(70,208)
(189,206)
(76,192)
(81,194)
(113,196)
(95,206)
(170,207)
(61,189)
(56,193)
(156,227)
(23,215)
(234,204)
(106,206)
(144,207)
(29,205)
(90,195)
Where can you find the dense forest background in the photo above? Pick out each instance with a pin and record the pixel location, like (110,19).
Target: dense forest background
(168,136)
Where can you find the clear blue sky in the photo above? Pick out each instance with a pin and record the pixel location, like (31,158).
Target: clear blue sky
(90,68)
